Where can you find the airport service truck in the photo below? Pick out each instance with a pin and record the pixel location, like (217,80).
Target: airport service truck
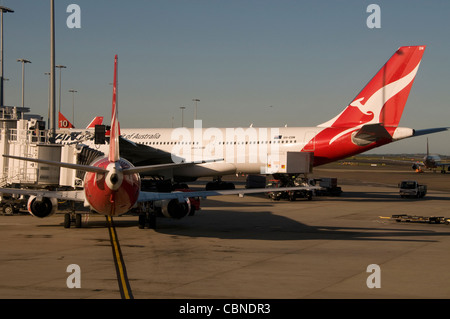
(412,189)
(329,186)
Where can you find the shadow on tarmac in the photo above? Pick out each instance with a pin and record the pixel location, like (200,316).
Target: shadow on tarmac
(264,225)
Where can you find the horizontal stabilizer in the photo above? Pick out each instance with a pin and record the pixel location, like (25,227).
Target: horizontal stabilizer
(430,131)
(370,133)
(86,168)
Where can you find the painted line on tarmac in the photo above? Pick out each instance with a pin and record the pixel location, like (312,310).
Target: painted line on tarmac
(121,271)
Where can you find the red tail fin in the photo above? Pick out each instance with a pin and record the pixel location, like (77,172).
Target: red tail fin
(98,120)
(63,122)
(382,100)
(114,135)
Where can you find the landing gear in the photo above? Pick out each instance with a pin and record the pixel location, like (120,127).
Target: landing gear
(146,215)
(218,184)
(74,218)
(147,219)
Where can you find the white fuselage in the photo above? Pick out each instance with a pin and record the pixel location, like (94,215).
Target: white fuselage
(236,150)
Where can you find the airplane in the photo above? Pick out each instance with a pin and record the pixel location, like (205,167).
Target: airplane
(431,162)
(112,185)
(370,120)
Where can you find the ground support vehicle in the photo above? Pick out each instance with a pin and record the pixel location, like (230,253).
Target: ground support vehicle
(11,204)
(419,219)
(328,186)
(412,189)
(289,195)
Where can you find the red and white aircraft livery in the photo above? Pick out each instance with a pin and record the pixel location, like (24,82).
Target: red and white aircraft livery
(112,184)
(369,121)
(63,122)
(372,118)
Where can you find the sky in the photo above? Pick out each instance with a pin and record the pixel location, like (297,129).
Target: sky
(266,62)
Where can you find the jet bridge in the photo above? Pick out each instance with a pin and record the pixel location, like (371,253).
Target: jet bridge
(25,135)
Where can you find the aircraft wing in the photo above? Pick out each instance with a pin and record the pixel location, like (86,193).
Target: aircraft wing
(94,169)
(66,195)
(160,167)
(152,196)
(139,154)
(443,165)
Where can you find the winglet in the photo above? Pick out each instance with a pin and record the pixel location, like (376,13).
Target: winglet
(114,135)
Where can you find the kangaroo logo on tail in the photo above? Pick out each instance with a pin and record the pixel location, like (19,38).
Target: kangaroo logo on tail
(376,102)
(383,99)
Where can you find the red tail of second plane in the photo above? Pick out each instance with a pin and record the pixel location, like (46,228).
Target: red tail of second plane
(372,118)
(382,100)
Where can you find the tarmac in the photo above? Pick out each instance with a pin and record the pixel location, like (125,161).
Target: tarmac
(248,248)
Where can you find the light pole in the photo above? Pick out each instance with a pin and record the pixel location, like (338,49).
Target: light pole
(49,106)
(182,108)
(73,105)
(195,113)
(23,61)
(60,67)
(52,75)
(2,9)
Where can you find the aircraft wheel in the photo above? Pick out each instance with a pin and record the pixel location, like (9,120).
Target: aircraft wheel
(230,186)
(152,221)
(8,209)
(141,221)
(78,220)
(67,220)
(147,220)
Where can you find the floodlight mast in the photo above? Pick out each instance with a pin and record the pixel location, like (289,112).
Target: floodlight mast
(2,10)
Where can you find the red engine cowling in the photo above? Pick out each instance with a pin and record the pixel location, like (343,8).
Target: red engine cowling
(172,208)
(43,207)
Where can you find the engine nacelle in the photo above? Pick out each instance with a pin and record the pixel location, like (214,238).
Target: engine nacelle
(41,208)
(172,208)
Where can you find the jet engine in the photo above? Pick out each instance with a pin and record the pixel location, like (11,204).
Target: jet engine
(172,208)
(42,207)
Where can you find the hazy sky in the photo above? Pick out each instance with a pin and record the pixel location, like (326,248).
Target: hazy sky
(269,63)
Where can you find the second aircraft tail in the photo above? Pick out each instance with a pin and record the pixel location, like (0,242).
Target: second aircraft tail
(383,99)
